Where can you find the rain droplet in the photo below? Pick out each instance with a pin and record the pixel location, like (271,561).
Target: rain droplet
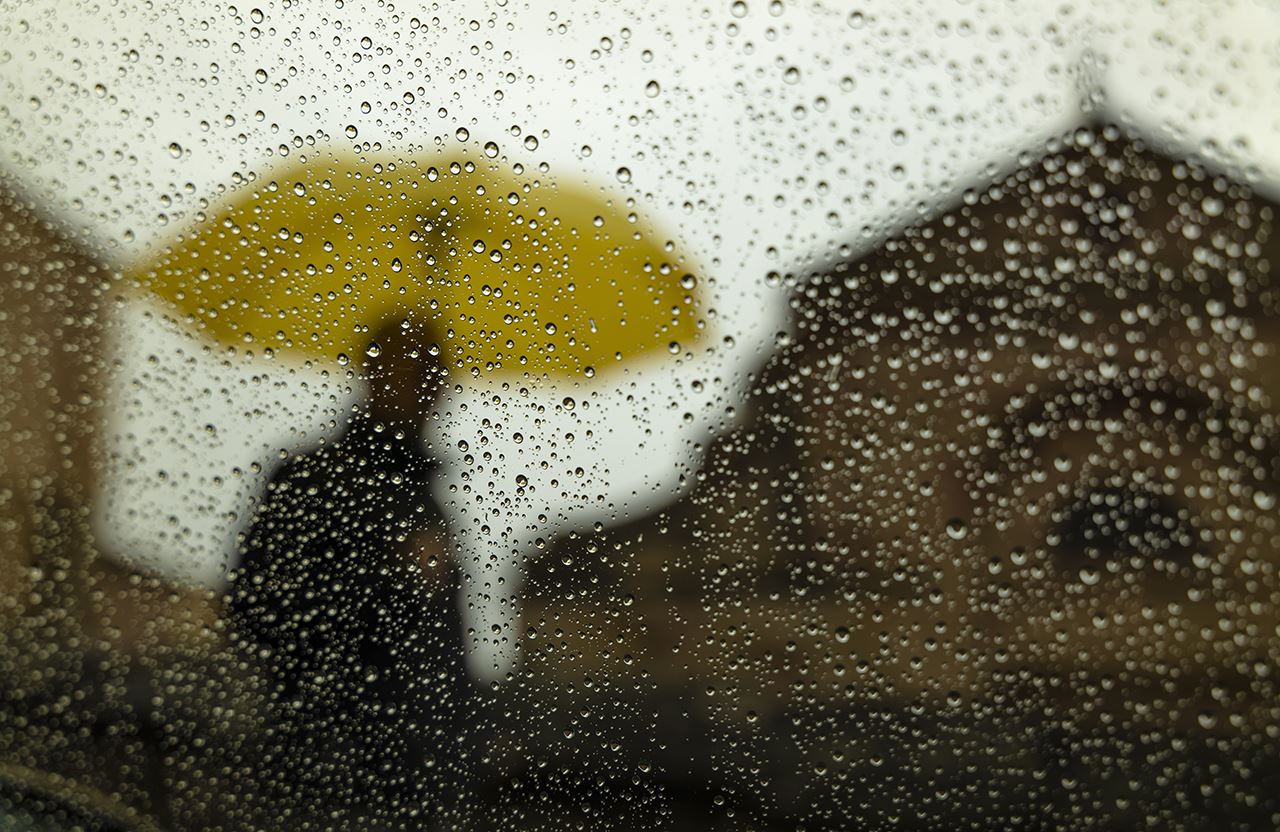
(652,89)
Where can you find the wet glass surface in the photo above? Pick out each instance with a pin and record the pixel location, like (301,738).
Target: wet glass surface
(758,416)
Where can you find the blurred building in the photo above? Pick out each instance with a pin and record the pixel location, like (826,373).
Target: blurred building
(119,706)
(996,545)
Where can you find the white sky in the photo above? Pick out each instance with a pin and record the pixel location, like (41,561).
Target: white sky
(805,127)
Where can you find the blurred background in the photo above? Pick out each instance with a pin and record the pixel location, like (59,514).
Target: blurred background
(850,418)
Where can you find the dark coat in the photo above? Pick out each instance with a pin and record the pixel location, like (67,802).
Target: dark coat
(363,649)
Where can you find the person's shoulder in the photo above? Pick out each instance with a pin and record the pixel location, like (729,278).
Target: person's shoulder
(311,466)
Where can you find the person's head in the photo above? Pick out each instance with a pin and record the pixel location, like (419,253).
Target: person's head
(403,370)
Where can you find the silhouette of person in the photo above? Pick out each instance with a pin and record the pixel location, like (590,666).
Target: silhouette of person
(345,592)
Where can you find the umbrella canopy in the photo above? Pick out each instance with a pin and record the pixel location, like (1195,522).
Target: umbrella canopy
(515,272)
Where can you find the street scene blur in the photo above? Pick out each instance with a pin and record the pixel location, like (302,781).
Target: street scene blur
(754,417)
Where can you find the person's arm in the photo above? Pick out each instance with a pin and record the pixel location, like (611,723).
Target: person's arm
(428,556)
(265,581)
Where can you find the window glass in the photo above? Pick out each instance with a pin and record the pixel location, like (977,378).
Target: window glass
(763,415)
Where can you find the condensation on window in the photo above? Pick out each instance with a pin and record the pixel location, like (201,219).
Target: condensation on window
(762,415)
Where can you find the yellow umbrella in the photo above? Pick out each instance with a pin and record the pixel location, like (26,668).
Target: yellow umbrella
(516,272)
